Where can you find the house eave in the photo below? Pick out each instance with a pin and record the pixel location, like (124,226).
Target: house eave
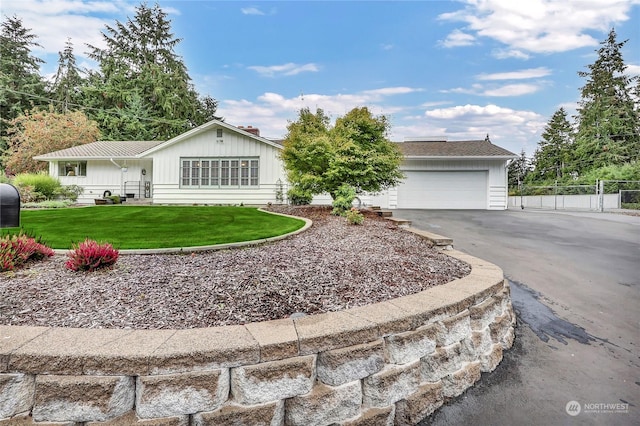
(86,158)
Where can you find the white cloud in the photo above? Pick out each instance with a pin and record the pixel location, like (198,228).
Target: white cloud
(251,11)
(271,111)
(387,46)
(516,75)
(509,128)
(457,39)
(387,91)
(509,53)
(633,69)
(539,26)
(285,69)
(512,90)
(497,91)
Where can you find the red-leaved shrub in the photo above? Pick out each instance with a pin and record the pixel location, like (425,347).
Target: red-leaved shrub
(16,250)
(90,255)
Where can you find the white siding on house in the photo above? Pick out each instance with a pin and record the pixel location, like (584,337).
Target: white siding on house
(166,177)
(103,175)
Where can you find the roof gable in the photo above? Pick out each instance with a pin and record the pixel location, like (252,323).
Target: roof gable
(435,149)
(208,126)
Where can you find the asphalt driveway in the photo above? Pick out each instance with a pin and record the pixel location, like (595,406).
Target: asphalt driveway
(576,290)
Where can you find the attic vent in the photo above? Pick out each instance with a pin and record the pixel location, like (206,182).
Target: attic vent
(219,133)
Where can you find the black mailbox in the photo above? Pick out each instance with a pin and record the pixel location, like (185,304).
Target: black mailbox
(9,206)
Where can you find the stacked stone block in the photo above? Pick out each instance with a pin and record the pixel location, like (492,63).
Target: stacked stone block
(392,363)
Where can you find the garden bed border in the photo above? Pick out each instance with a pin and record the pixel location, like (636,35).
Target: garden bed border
(393,362)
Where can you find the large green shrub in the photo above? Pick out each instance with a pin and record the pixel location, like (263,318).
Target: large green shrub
(298,196)
(38,184)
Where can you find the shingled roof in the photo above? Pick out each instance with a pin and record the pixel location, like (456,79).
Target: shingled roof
(102,149)
(475,148)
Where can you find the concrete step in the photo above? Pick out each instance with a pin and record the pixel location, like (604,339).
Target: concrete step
(399,222)
(438,240)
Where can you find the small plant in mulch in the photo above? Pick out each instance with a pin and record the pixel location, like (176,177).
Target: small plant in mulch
(354,217)
(16,250)
(90,255)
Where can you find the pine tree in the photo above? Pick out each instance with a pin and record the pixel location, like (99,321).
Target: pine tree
(141,73)
(553,157)
(66,90)
(518,170)
(21,86)
(608,120)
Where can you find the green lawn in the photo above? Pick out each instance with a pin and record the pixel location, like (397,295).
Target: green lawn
(136,227)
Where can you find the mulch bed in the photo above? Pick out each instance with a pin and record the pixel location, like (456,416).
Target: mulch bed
(330,267)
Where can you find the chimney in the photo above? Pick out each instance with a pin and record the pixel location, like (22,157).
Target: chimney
(252,130)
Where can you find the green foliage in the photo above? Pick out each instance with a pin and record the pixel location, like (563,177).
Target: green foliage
(115,199)
(608,116)
(519,169)
(343,200)
(552,158)
(90,255)
(39,183)
(21,86)
(629,171)
(68,81)
(16,250)
(354,152)
(298,196)
(70,192)
(142,90)
(50,204)
(354,217)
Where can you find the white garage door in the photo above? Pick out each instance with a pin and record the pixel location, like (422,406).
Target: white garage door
(443,190)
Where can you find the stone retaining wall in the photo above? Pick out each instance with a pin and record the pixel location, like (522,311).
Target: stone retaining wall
(389,363)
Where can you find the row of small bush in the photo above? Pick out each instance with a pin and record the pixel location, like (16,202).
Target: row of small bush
(40,187)
(89,255)
(16,250)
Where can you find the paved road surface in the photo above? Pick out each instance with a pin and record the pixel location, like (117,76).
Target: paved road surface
(577,294)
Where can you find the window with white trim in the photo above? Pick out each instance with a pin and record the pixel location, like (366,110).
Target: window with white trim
(72,168)
(219,172)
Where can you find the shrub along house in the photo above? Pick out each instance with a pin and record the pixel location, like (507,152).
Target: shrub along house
(217,163)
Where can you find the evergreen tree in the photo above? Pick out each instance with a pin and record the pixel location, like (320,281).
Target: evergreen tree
(518,170)
(608,119)
(21,87)
(139,65)
(68,82)
(552,158)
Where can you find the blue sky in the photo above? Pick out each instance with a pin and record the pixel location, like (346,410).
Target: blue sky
(459,69)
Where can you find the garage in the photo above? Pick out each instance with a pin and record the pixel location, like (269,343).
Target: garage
(443,190)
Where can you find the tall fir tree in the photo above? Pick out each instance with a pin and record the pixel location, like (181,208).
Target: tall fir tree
(519,168)
(21,86)
(553,157)
(66,89)
(140,73)
(608,119)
